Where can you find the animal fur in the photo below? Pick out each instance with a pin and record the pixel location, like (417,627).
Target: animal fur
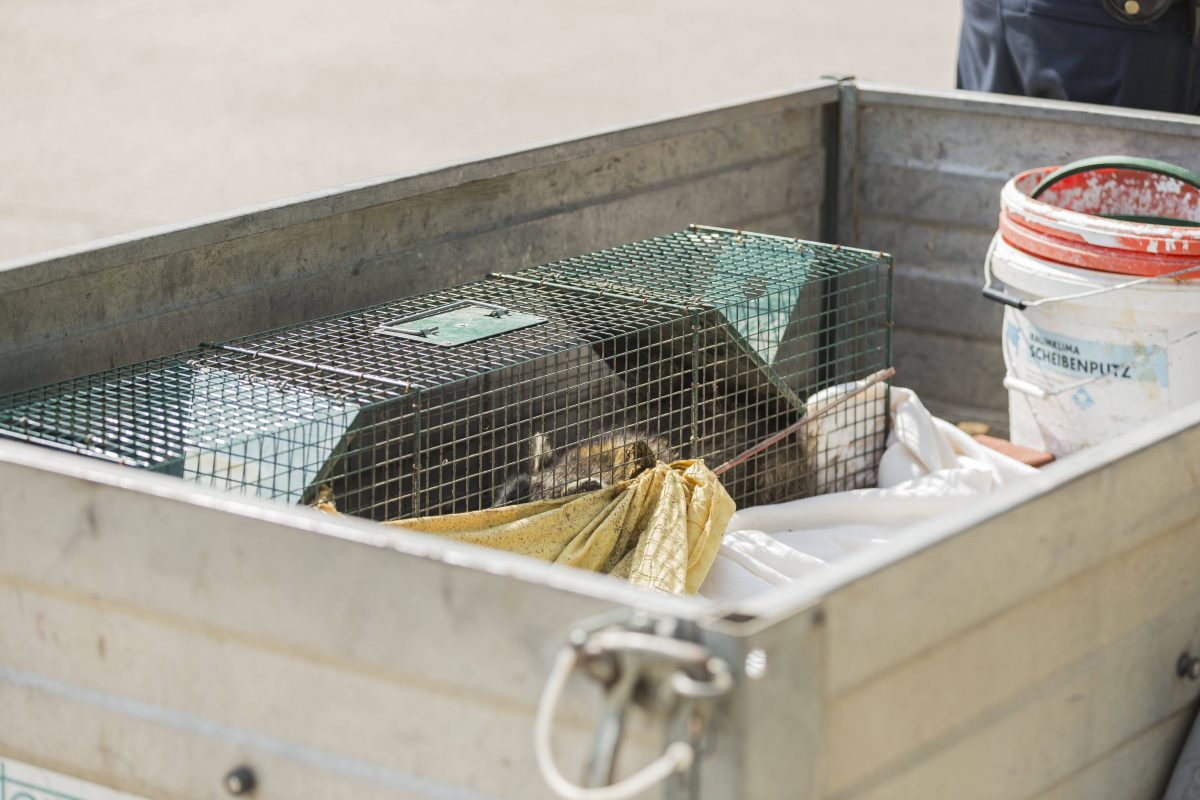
(592,464)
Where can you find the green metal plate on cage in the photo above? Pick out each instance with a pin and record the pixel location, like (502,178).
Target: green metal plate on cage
(761,315)
(459,323)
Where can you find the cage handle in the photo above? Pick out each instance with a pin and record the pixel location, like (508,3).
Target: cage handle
(771,441)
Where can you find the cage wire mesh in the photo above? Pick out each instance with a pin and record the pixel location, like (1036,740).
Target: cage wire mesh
(551,380)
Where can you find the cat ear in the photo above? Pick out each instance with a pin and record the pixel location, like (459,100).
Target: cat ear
(539,452)
(644,455)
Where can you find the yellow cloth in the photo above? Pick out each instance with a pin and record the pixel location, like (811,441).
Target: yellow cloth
(660,529)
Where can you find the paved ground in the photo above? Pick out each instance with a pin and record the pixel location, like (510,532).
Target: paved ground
(124,114)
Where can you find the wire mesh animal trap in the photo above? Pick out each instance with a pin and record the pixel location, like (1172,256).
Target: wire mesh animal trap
(551,380)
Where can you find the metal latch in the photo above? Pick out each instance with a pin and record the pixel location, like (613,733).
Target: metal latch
(638,661)
(458,323)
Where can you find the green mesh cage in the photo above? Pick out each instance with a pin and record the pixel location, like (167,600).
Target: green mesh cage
(553,379)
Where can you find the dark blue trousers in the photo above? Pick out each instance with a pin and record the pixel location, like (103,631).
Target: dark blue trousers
(1074,50)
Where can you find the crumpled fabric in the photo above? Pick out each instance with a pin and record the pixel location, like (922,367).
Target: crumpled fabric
(660,529)
(930,467)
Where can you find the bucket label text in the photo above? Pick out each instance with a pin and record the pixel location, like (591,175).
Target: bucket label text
(1083,358)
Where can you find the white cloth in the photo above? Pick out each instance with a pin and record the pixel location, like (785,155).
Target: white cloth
(929,467)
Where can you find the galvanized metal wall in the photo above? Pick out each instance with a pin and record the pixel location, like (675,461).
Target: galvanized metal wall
(925,184)
(1023,648)
(758,165)
(1027,648)
(155,634)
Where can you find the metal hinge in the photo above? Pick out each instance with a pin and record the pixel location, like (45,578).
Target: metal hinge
(639,661)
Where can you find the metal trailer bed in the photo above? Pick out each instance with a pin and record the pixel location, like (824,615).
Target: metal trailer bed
(154,634)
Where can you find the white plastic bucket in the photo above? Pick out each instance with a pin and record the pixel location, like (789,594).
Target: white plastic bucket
(1083,370)
(1101,260)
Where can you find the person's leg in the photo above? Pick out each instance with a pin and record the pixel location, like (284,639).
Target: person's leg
(984,63)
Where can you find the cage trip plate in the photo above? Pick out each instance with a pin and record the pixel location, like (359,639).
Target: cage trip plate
(458,323)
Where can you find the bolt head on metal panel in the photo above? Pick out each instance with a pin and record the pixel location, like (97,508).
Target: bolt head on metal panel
(240,781)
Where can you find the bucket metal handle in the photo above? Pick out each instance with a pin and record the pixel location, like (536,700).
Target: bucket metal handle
(1150,165)
(1015,384)
(999,295)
